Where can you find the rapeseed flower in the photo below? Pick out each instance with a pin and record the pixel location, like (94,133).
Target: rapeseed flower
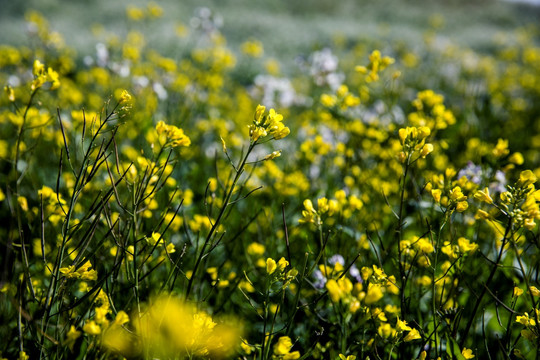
(267,124)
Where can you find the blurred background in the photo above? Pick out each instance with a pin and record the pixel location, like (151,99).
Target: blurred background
(286,28)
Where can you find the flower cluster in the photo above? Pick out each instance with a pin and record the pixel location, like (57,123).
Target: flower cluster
(42,75)
(414,144)
(431,111)
(267,124)
(377,63)
(174,135)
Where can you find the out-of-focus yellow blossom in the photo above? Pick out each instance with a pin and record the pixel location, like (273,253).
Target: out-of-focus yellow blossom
(516,158)
(465,246)
(526,178)
(271,266)
(174,135)
(467,353)
(23,203)
(436,193)
(457,200)
(43,75)
(282,349)
(273,155)
(72,335)
(91,328)
(386,330)
(501,149)
(402,326)
(253,48)
(483,195)
(9,93)
(309,215)
(430,111)
(343,99)
(377,63)
(134,13)
(374,293)
(339,289)
(84,272)
(170,327)
(255,249)
(525,320)
(154,10)
(414,334)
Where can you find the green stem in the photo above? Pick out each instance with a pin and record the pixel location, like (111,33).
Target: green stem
(219,217)
(398,235)
(486,285)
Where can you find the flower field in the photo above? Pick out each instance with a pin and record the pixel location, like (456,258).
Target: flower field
(376,201)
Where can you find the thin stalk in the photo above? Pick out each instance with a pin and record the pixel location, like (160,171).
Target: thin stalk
(398,235)
(486,285)
(218,219)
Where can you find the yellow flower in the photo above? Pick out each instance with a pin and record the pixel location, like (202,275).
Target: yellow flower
(462,206)
(125,96)
(271,266)
(23,203)
(483,195)
(423,132)
(121,318)
(283,346)
(526,178)
(134,13)
(333,290)
(269,124)
(72,335)
(10,93)
(466,246)
(253,48)
(516,158)
(374,294)
(91,328)
(481,214)
(39,68)
(402,326)
(534,291)
(501,149)
(292,355)
(426,149)
(273,155)
(54,78)
(467,353)
(525,320)
(255,249)
(517,292)
(282,264)
(170,328)
(174,135)
(436,193)
(246,348)
(385,330)
(412,335)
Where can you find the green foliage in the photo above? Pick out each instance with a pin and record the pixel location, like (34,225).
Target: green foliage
(152,209)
